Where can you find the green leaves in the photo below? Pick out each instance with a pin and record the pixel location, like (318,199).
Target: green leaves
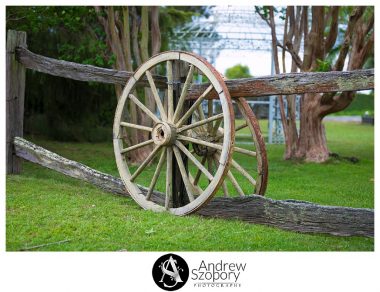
(238,71)
(323,65)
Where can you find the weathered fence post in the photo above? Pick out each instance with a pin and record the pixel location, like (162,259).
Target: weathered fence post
(179,191)
(15,85)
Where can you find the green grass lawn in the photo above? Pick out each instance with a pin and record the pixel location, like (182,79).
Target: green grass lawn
(44,206)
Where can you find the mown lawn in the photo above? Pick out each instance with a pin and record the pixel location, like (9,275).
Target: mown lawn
(46,207)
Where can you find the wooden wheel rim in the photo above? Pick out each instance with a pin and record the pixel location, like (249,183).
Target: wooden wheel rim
(228,141)
(258,140)
(257,177)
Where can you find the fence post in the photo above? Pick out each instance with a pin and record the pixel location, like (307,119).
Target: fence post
(180,197)
(15,87)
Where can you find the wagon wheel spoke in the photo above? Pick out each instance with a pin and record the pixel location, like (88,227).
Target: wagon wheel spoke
(199,172)
(245,151)
(208,121)
(143,108)
(200,112)
(243,172)
(235,183)
(145,163)
(224,184)
(216,127)
(210,109)
(225,189)
(197,188)
(218,137)
(209,165)
(238,128)
(183,172)
(134,147)
(199,165)
(169,75)
(169,175)
(184,92)
(156,96)
(198,118)
(200,115)
(200,142)
(156,174)
(134,126)
(194,107)
(238,149)
(233,180)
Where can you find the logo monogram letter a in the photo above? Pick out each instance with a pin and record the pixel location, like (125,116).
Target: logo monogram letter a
(174,274)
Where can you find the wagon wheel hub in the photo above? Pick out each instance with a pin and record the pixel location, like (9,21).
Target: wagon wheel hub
(164,134)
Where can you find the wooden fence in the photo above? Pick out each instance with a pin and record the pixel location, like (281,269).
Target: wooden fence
(342,221)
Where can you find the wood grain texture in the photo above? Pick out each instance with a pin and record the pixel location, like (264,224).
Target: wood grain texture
(15,96)
(285,214)
(77,71)
(282,84)
(294,83)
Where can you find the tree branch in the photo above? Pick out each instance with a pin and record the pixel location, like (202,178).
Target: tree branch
(331,38)
(155,30)
(277,68)
(126,38)
(257,9)
(318,26)
(337,103)
(115,40)
(370,24)
(354,17)
(293,54)
(297,38)
(144,42)
(102,20)
(285,39)
(135,32)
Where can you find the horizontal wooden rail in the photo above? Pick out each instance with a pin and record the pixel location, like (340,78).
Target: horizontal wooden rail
(286,214)
(78,71)
(295,83)
(282,84)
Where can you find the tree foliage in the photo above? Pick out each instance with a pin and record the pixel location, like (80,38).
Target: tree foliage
(238,71)
(65,109)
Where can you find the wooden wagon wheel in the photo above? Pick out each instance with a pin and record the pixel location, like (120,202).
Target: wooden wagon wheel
(173,134)
(250,174)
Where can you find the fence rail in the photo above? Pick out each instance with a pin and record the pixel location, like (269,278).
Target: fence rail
(77,71)
(285,214)
(282,84)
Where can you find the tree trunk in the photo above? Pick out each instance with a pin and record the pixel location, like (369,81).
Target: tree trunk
(155,31)
(319,37)
(312,144)
(292,134)
(141,54)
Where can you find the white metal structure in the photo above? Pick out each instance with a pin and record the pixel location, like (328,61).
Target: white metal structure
(237,28)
